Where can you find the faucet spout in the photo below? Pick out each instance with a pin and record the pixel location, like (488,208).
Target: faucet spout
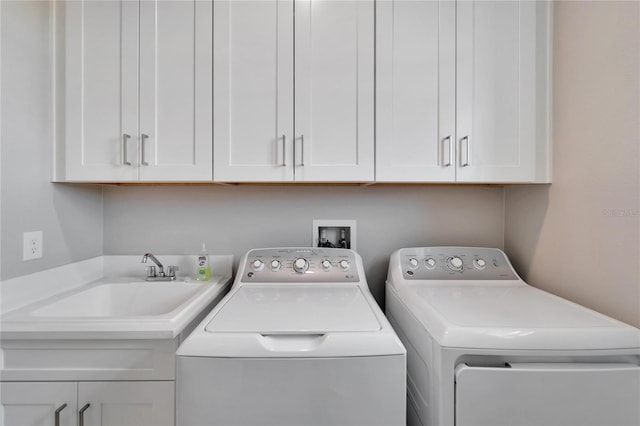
(155,260)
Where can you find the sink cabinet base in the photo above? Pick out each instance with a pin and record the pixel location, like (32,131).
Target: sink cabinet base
(44,360)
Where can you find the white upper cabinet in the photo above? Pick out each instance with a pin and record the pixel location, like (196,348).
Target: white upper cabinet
(462,91)
(334,90)
(253,91)
(294,96)
(415,73)
(137,90)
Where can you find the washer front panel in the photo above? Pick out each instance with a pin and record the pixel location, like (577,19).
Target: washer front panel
(300,265)
(455,263)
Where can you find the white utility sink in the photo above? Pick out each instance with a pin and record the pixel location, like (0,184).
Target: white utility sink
(122,300)
(116,309)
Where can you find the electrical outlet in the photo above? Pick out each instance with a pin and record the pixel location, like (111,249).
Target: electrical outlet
(32,245)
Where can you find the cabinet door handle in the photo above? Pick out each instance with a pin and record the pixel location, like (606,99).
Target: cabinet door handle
(81,414)
(446,147)
(302,150)
(125,139)
(284,156)
(57,414)
(467,146)
(144,138)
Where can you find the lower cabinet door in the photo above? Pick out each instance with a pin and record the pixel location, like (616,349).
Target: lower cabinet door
(126,403)
(38,403)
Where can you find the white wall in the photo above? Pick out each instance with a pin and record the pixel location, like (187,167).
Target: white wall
(69,216)
(233,220)
(580,237)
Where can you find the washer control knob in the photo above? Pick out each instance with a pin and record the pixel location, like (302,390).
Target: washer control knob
(345,265)
(430,263)
(413,263)
(300,265)
(455,263)
(257,265)
(479,263)
(326,265)
(275,265)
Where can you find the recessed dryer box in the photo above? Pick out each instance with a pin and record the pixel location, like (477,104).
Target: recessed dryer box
(334,233)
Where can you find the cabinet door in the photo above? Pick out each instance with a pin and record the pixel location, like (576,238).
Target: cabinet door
(101,90)
(253,90)
(334,90)
(127,403)
(502,72)
(415,98)
(175,136)
(35,403)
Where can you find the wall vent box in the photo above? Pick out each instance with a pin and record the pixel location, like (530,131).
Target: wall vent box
(334,233)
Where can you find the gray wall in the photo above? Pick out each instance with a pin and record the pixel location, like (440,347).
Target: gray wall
(235,219)
(580,236)
(69,216)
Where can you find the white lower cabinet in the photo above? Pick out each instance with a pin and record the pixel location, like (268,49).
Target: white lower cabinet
(103,382)
(127,403)
(39,403)
(88,403)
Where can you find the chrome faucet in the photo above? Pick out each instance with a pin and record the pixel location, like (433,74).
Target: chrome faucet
(160,276)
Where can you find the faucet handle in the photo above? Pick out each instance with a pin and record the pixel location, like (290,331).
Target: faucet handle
(151,271)
(171,270)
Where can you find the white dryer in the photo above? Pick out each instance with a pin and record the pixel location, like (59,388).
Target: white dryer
(485,348)
(298,340)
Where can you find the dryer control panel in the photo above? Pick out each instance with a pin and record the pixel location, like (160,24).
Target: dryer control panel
(454,263)
(300,265)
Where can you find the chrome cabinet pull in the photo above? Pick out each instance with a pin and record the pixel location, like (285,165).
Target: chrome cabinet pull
(144,149)
(447,150)
(81,414)
(284,156)
(56,421)
(302,150)
(466,162)
(125,139)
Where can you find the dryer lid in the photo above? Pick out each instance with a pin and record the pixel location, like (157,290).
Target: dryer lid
(291,309)
(513,317)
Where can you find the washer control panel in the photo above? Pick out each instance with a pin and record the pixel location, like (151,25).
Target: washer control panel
(455,263)
(299,265)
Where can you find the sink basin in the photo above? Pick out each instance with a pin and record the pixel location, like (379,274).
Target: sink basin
(121,300)
(116,309)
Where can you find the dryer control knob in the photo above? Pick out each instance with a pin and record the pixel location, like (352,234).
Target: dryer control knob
(326,265)
(430,263)
(257,265)
(479,263)
(345,265)
(275,265)
(455,263)
(413,263)
(300,265)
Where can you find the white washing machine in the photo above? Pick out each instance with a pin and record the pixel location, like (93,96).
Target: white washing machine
(485,348)
(298,340)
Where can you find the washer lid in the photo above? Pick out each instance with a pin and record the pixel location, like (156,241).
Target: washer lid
(514,316)
(291,309)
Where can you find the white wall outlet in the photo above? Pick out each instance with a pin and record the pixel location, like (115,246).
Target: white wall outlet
(334,233)
(32,245)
